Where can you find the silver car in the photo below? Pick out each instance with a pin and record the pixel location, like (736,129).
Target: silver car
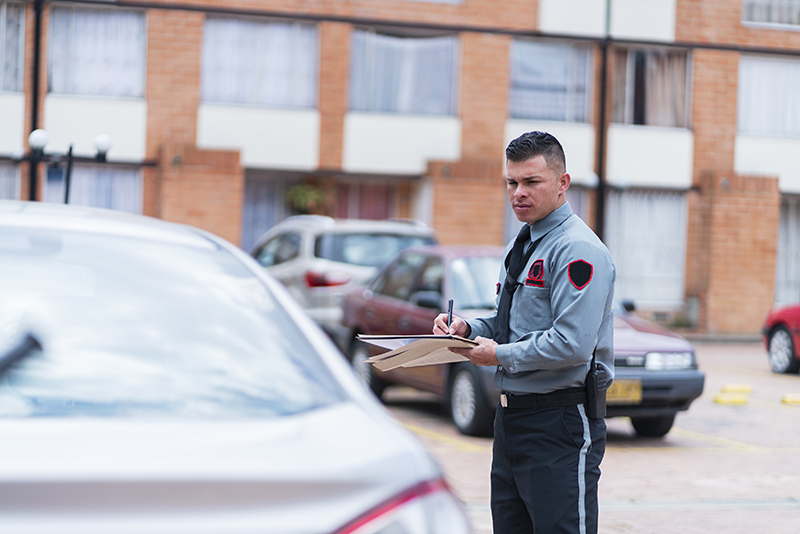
(154,379)
(320,259)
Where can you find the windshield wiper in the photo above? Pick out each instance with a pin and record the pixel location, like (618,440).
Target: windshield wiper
(28,346)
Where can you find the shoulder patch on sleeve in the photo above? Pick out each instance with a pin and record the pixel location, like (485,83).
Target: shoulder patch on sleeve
(580,273)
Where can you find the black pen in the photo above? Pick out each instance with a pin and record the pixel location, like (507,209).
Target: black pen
(449,314)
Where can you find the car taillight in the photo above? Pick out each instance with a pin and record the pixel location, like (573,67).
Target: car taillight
(315,279)
(427,508)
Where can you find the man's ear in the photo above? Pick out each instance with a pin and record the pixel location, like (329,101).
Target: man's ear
(563,182)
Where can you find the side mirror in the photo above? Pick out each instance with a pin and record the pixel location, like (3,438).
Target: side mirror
(428,299)
(628,306)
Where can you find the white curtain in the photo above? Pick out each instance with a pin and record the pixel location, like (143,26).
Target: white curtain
(550,81)
(97,52)
(772,11)
(403,74)
(9,182)
(259,63)
(103,186)
(769,96)
(787,266)
(12,35)
(646,234)
(660,97)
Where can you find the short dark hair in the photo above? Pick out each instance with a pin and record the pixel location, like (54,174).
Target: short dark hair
(532,144)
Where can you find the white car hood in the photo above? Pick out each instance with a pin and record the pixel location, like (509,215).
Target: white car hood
(312,472)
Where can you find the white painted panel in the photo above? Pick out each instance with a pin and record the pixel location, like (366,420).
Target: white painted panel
(267,138)
(399,144)
(769,156)
(647,156)
(77,120)
(652,20)
(574,17)
(577,139)
(12,122)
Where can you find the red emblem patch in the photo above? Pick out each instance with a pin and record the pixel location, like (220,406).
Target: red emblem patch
(536,274)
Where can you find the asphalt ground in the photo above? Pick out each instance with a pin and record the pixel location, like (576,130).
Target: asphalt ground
(731,464)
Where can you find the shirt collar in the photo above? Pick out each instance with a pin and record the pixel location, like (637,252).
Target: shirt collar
(554,219)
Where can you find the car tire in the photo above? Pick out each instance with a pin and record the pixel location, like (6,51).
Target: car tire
(363,369)
(653,427)
(781,351)
(465,401)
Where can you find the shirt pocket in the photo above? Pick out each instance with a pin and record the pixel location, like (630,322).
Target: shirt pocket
(531,309)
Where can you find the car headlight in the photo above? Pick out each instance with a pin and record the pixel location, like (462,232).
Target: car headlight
(669,361)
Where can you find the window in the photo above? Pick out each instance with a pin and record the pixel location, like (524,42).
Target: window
(472,281)
(368,249)
(403,74)
(650,88)
(646,235)
(12,43)
(9,181)
(103,186)
(787,266)
(97,52)
(279,249)
(550,81)
(771,11)
(768,102)
(397,280)
(259,63)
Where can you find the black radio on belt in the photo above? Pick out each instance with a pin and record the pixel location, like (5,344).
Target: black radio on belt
(595,393)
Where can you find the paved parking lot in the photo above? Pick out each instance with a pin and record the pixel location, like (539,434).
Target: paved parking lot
(731,463)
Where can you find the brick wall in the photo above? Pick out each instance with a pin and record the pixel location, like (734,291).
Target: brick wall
(739,217)
(469,201)
(333,86)
(484,94)
(203,188)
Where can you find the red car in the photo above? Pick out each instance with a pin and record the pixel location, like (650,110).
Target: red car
(656,371)
(782,337)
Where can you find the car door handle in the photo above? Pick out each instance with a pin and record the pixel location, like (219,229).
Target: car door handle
(403,323)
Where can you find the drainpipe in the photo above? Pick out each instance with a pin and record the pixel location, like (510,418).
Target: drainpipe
(38,7)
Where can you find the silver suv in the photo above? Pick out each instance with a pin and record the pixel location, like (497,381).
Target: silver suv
(319,259)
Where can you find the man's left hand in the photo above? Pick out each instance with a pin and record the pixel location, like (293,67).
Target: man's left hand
(482,354)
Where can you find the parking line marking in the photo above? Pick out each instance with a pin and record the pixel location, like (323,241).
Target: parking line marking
(725,442)
(736,388)
(754,504)
(441,438)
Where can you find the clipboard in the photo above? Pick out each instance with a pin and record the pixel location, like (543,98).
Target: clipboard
(415,351)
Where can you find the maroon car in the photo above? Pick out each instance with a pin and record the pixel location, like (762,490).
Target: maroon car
(782,337)
(656,371)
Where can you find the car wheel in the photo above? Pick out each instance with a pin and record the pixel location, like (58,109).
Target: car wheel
(363,369)
(781,351)
(653,427)
(465,399)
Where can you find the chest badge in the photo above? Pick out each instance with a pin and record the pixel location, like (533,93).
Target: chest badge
(536,274)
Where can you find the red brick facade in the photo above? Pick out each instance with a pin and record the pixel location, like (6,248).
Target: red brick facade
(733,220)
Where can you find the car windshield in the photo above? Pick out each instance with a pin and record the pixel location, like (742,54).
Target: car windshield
(370,250)
(474,281)
(131,327)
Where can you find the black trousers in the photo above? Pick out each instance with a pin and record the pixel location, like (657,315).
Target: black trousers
(545,469)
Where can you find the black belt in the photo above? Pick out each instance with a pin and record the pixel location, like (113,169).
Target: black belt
(561,397)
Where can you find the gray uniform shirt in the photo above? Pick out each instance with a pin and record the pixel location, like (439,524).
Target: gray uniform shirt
(560,313)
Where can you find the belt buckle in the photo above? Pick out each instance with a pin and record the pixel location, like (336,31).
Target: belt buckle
(504,400)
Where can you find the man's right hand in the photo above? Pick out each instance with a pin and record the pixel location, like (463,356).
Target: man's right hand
(458,326)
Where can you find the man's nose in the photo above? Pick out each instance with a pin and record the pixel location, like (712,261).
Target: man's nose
(519,192)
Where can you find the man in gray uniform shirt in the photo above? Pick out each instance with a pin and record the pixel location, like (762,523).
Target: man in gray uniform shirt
(551,318)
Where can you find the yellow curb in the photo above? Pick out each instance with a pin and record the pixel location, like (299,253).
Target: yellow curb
(730,398)
(791,398)
(737,388)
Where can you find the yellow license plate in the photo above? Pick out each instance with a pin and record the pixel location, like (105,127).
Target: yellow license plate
(625,391)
